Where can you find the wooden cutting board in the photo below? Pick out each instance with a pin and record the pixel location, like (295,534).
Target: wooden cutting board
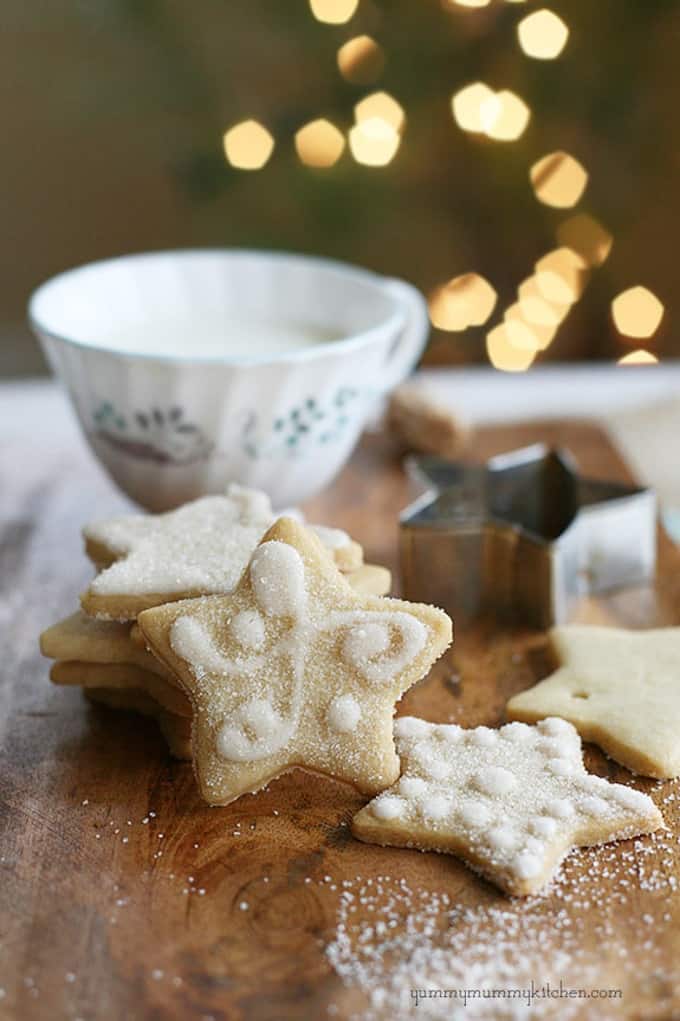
(123,897)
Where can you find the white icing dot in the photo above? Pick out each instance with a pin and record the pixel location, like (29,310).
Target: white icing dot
(387,807)
(449,732)
(344,713)
(526,866)
(503,838)
(518,733)
(435,807)
(534,846)
(247,627)
(410,727)
(412,786)
(475,814)
(483,737)
(630,798)
(555,726)
(560,808)
(494,780)
(277,573)
(437,768)
(557,747)
(560,767)
(593,805)
(543,826)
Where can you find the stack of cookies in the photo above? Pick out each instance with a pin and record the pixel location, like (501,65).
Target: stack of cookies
(143,561)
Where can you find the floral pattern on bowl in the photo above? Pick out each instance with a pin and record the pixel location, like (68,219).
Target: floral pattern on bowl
(162,437)
(309,422)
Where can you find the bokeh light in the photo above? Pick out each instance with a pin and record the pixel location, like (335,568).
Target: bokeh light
(504,116)
(583,234)
(319,143)
(639,357)
(373,142)
(467,106)
(558,180)
(505,355)
(466,300)
(561,276)
(248,145)
(383,106)
(361,60)
(637,312)
(333,12)
(542,35)
(529,295)
(469,3)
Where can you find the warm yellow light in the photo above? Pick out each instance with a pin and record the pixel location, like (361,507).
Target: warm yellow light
(361,60)
(585,235)
(467,106)
(558,180)
(639,357)
(505,355)
(319,144)
(248,145)
(522,332)
(373,142)
(561,276)
(504,116)
(542,35)
(637,312)
(470,3)
(529,294)
(466,300)
(383,106)
(333,12)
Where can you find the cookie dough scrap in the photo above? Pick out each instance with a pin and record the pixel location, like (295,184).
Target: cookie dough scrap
(512,803)
(198,549)
(175,729)
(121,677)
(294,669)
(620,689)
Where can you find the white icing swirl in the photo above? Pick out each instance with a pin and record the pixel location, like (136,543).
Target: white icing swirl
(277,573)
(366,646)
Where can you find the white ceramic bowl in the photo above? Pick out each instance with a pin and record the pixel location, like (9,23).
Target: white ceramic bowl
(173,413)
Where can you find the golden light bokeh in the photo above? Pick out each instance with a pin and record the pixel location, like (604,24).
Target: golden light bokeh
(542,35)
(466,300)
(504,116)
(333,12)
(248,145)
(639,357)
(529,294)
(522,332)
(383,106)
(466,106)
(561,276)
(505,355)
(583,234)
(469,3)
(361,60)
(319,144)
(558,180)
(374,142)
(637,312)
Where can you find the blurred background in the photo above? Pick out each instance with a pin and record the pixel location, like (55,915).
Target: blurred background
(518,165)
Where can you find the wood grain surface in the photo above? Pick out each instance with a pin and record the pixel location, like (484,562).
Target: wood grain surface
(123,897)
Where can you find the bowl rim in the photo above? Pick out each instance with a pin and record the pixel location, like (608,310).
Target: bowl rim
(394,322)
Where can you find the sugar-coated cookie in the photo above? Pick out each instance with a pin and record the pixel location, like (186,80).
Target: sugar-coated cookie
(175,729)
(511,802)
(122,676)
(198,549)
(620,689)
(88,640)
(370,580)
(294,668)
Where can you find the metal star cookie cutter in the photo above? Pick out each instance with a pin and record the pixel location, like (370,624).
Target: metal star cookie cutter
(522,537)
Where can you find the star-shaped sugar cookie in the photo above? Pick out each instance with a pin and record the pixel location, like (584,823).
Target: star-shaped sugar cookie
(620,689)
(511,802)
(201,548)
(294,668)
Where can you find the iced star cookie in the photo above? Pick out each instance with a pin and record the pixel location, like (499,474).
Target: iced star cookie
(620,689)
(198,549)
(294,668)
(511,802)
(88,640)
(175,729)
(122,676)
